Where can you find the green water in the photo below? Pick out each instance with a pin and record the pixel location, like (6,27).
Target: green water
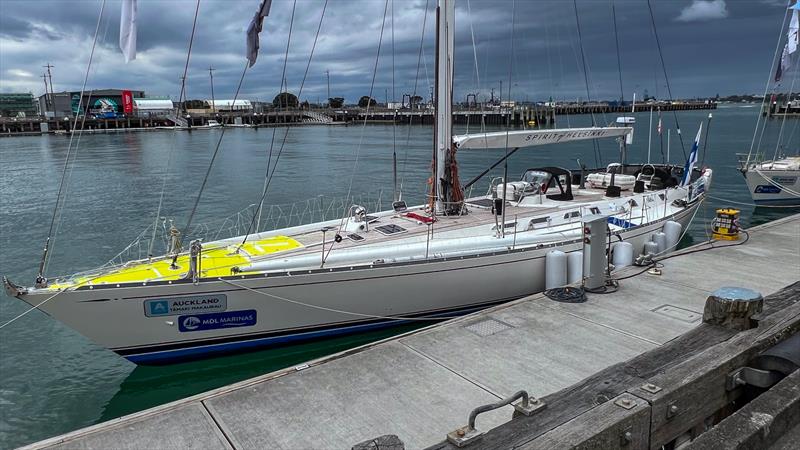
(52,380)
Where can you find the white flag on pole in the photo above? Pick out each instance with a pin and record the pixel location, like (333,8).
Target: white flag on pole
(791,44)
(127,30)
(254,29)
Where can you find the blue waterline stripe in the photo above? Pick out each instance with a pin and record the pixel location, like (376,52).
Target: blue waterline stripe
(216,349)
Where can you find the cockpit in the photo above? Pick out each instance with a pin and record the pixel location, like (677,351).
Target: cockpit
(554,182)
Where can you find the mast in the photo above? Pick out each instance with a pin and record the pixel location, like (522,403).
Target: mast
(445,31)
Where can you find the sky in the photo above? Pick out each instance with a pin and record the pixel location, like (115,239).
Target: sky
(529,47)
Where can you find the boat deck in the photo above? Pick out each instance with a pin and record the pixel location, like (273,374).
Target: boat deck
(423,384)
(218,258)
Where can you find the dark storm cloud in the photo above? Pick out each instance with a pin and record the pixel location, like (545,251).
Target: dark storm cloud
(706,51)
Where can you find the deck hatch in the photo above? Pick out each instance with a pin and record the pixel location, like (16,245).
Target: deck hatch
(488,327)
(676,312)
(389,229)
(355,237)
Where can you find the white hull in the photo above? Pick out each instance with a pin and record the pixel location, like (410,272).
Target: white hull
(774,186)
(115,318)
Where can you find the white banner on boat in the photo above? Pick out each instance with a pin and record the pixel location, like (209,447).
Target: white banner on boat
(530,138)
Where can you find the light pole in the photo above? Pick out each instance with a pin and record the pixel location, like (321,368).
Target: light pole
(328,76)
(50,76)
(213,103)
(46,95)
(49,95)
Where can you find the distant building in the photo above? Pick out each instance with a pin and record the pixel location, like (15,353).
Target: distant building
(61,104)
(261,107)
(150,107)
(229,105)
(17,105)
(220,106)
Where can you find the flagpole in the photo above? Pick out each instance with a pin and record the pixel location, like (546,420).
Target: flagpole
(705,141)
(661,135)
(668,133)
(649,135)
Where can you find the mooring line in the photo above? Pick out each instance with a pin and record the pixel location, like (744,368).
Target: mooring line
(308,305)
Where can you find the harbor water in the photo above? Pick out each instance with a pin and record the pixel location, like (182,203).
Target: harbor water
(52,380)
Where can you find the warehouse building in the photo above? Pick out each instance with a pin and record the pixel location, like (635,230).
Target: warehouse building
(153,107)
(17,105)
(62,104)
(228,105)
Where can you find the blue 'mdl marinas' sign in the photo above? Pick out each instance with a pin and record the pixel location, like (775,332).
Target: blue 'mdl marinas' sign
(214,321)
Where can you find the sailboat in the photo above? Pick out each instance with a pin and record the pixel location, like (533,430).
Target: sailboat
(775,181)
(370,269)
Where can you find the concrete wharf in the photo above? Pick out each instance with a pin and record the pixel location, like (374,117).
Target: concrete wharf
(41,125)
(521,115)
(527,115)
(422,385)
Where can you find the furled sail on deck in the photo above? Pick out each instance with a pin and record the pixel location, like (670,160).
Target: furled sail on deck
(530,138)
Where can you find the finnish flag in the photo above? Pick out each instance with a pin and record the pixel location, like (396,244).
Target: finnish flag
(692,160)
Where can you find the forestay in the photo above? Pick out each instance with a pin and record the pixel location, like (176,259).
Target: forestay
(530,138)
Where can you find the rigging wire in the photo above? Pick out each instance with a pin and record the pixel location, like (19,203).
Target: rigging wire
(619,58)
(286,133)
(274,130)
(666,77)
(598,157)
(213,159)
(508,126)
(785,115)
(549,66)
(752,205)
(323,308)
(474,49)
(394,122)
(561,64)
(181,98)
(59,219)
(414,94)
(43,263)
(775,61)
(363,128)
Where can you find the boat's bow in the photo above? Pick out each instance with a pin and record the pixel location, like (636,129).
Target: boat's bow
(12,290)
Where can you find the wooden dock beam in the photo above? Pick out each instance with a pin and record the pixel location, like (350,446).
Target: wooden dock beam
(667,396)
